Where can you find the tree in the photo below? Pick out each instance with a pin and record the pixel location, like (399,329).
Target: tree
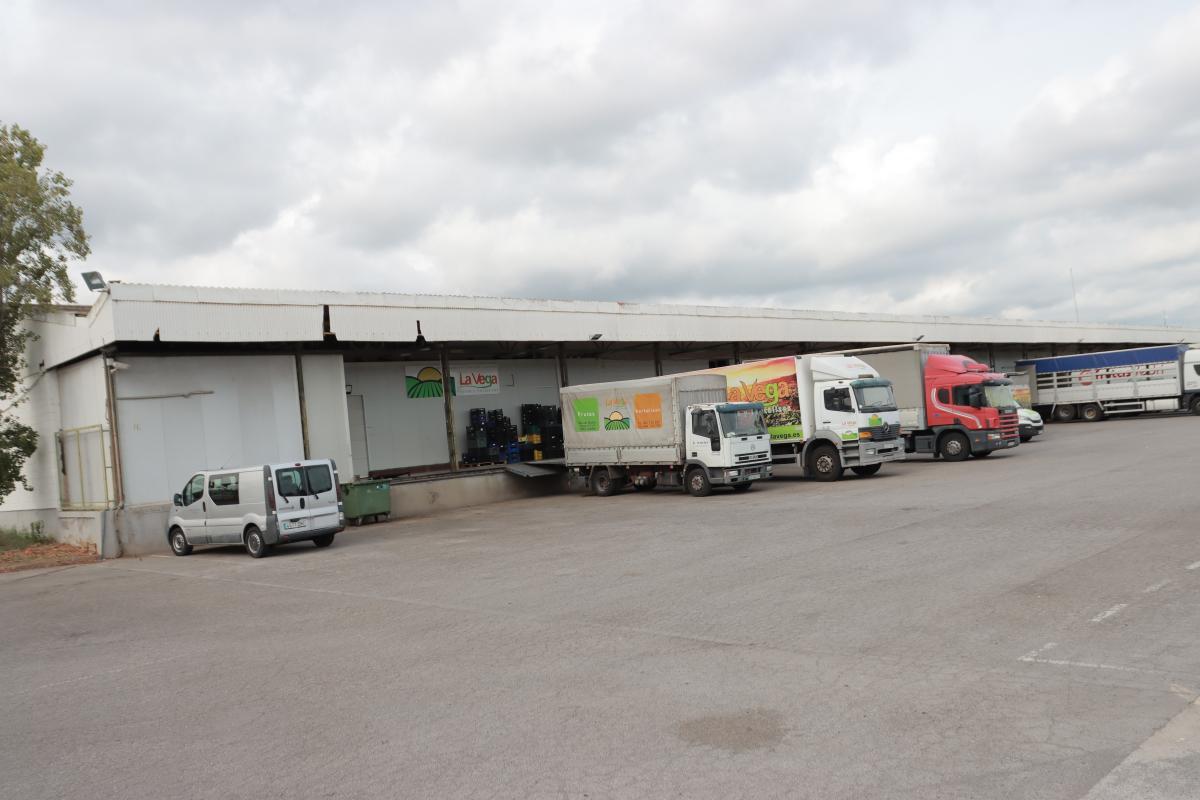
(41,232)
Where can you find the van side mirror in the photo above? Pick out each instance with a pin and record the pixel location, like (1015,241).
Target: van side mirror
(178,500)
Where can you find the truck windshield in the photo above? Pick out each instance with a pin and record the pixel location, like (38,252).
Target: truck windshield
(875,397)
(999,395)
(742,421)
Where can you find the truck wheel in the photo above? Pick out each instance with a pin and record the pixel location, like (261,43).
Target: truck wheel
(1064,413)
(824,463)
(954,447)
(742,487)
(602,483)
(866,471)
(1196,405)
(1091,413)
(179,543)
(256,546)
(698,484)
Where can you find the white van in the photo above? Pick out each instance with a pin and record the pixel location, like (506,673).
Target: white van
(258,507)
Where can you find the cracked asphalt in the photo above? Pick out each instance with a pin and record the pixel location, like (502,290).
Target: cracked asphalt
(1012,627)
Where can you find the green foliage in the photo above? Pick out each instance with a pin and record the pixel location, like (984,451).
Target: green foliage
(41,232)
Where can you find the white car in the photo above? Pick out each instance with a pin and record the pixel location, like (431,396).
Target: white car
(258,507)
(1031,423)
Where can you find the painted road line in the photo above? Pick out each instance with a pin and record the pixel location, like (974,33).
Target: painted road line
(1117,609)
(1193,565)
(1154,587)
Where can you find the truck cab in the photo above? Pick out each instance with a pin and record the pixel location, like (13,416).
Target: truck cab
(856,424)
(971,410)
(727,445)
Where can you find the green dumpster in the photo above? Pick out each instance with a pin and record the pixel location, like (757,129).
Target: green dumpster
(365,499)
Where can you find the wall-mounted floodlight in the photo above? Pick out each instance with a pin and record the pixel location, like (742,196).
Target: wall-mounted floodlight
(94,281)
(596,337)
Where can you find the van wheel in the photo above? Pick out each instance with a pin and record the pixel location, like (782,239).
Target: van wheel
(1064,413)
(179,543)
(602,483)
(824,463)
(324,540)
(256,546)
(698,484)
(1090,413)
(954,447)
(867,471)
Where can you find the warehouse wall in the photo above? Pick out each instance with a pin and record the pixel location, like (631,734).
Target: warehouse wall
(181,414)
(40,410)
(325,408)
(524,381)
(400,431)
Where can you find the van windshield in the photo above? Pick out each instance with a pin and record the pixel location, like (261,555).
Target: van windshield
(303,481)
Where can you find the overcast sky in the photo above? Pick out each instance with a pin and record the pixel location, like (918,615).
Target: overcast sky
(942,158)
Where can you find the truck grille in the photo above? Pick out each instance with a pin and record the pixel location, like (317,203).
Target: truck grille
(882,433)
(1010,426)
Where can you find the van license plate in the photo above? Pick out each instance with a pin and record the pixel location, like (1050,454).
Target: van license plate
(295,524)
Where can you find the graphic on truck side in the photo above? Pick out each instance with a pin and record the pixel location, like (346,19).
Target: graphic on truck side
(772,383)
(647,411)
(586,411)
(616,421)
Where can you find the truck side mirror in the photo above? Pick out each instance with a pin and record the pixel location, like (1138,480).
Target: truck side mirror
(178,500)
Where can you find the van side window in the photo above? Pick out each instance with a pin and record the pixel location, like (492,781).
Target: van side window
(194,490)
(319,479)
(944,396)
(290,482)
(223,489)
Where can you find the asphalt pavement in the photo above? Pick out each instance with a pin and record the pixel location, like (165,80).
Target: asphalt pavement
(1017,627)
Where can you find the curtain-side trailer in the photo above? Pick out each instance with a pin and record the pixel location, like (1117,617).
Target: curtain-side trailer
(674,430)
(1089,386)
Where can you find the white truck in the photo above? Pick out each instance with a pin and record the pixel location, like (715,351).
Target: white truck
(674,430)
(827,413)
(1090,386)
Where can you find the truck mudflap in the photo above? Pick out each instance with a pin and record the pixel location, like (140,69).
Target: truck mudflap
(735,475)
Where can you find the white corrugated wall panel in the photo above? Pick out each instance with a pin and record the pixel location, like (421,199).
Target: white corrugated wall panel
(139,321)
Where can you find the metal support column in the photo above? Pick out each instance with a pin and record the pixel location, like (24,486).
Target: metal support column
(737,352)
(658,359)
(303,406)
(448,404)
(560,355)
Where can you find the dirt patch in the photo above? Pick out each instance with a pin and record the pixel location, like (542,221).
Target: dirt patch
(46,554)
(738,732)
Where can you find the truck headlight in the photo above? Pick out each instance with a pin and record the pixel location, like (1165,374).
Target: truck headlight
(733,473)
(993,436)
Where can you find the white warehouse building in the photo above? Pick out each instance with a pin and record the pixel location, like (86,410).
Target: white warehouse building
(132,395)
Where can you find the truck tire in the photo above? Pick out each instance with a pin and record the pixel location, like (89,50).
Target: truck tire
(698,484)
(866,471)
(824,463)
(179,542)
(602,483)
(1091,413)
(256,545)
(954,446)
(1196,405)
(1064,413)
(982,454)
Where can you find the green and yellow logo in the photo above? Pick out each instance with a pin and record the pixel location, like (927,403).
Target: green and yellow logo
(616,421)
(426,383)
(875,420)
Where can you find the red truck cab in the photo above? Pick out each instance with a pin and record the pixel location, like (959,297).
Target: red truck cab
(969,410)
